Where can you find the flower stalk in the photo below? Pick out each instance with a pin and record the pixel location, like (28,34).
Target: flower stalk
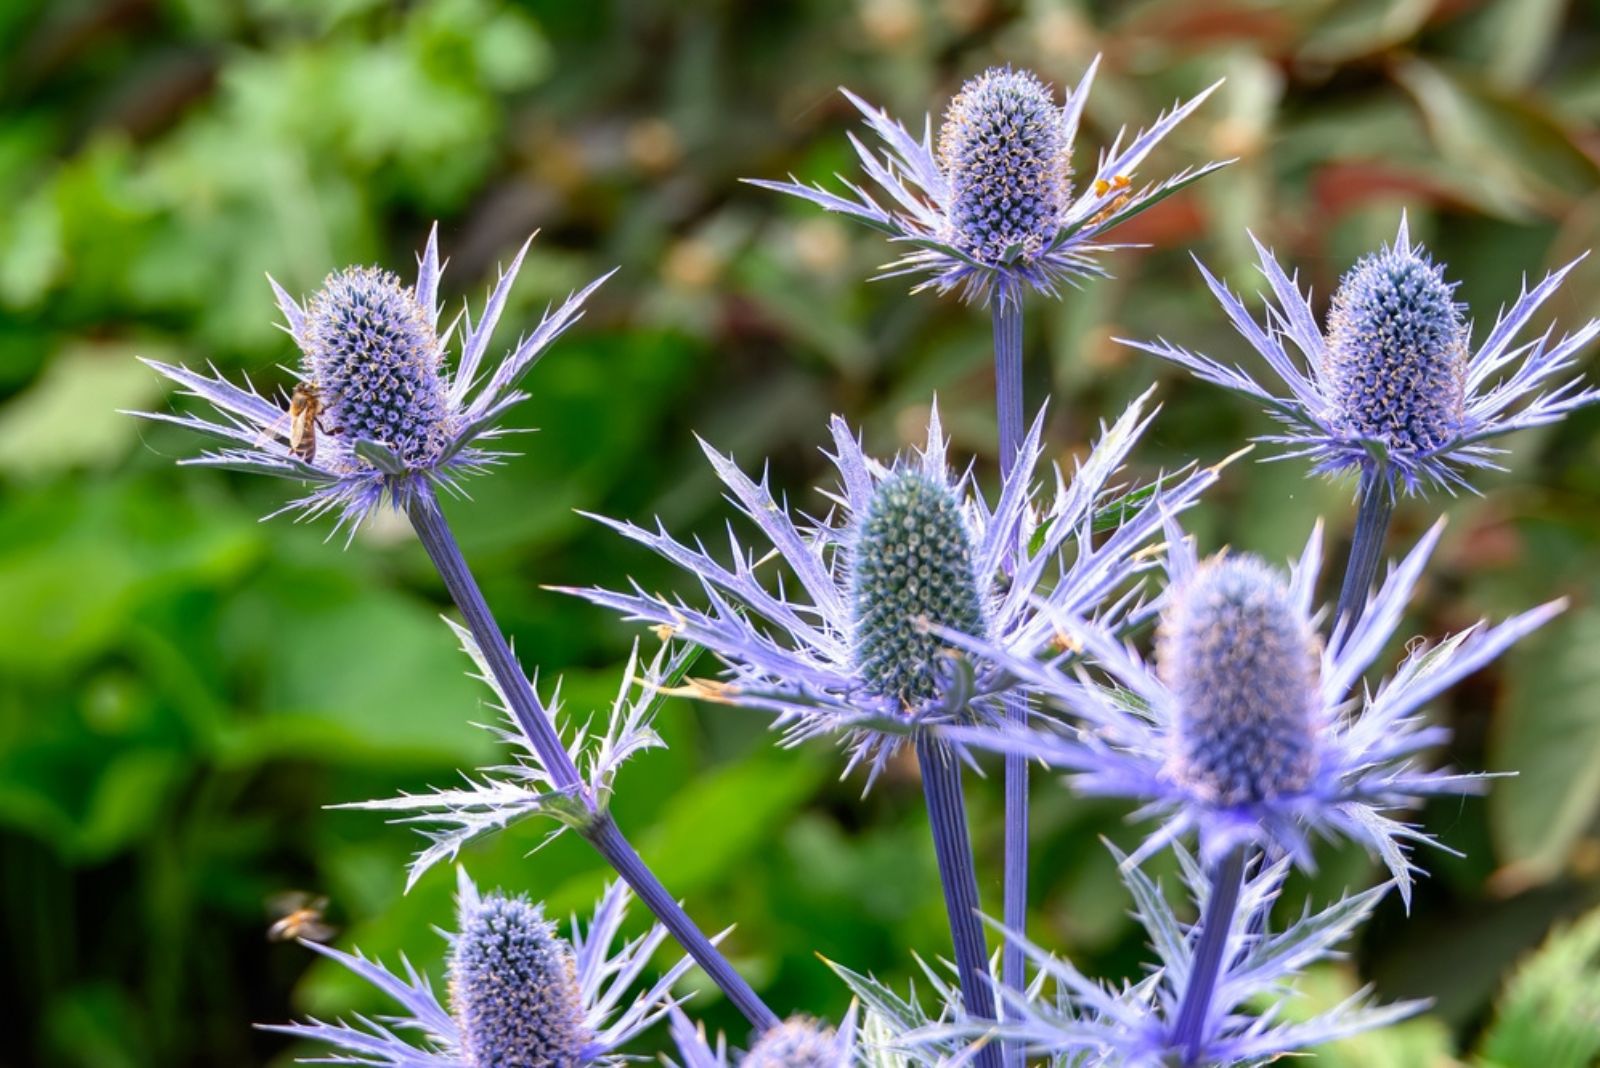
(1375,509)
(1007,319)
(1227,876)
(428,520)
(941,789)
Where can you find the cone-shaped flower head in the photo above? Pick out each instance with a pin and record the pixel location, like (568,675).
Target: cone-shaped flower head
(871,640)
(1249,728)
(1391,386)
(1242,661)
(372,351)
(911,571)
(514,988)
(1397,352)
(991,211)
(798,1042)
(1008,157)
(521,996)
(377,414)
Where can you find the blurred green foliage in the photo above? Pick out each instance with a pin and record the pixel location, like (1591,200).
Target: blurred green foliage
(183,688)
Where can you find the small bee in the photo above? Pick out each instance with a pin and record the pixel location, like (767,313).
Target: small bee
(298,916)
(304,419)
(305,405)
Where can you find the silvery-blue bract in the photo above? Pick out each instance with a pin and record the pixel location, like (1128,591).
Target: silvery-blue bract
(1392,382)
(1077,1021)
(395,417)
(1293,746)
(519,994)
(851,652)
(991,210)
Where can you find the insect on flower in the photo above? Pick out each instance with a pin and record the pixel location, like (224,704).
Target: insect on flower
(373,362)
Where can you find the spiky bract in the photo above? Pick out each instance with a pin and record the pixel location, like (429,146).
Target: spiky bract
(798,656)
(1391,388)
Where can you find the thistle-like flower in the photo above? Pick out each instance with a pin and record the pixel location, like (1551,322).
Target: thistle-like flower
(1081,1022)
(377,414)
(509,793)
(798,1042)
(1392,385)
(915,553)
(1250,728)
(519,994)
(992,209)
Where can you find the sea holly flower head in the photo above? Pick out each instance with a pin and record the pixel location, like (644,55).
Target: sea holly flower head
(508,793)
(910,553)
(1077,1021)
(377,414)
(992,211)
(519,994)
(1250,728)
(798,1042)
(1392,385)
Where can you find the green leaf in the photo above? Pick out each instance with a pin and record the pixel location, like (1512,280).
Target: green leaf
(1549,1014)
(1548,733)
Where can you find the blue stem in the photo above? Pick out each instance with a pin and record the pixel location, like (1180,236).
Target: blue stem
(607,839)
(941,788)
(1366,547)
(1009,409)
(1227,876)
(433,530)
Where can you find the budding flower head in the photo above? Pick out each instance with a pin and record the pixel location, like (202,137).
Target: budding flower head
(912,568)
(1005,150)
(1243,665)
(373,354)
(514,988)
(1397,351)
(798,1042)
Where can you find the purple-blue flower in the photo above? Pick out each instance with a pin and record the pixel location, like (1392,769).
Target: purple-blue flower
(1249,728)
(393,418)
(1392,384)
(1078,1021)
(798,1042)
(910,551)
(991,210)
(519,994)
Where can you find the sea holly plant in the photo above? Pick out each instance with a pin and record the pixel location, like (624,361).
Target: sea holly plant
(1194,1007)
(1251,729)
(401,427)
(990,212)
(519,993)
(798,1042)
(451,817)
(1391,389)
(909,548)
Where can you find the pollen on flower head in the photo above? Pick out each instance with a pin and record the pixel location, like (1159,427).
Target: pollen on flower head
(911,568)
(1243,664)
(798,1042)
(514,988)
(1006,156)
(1397,351)
(372,352)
